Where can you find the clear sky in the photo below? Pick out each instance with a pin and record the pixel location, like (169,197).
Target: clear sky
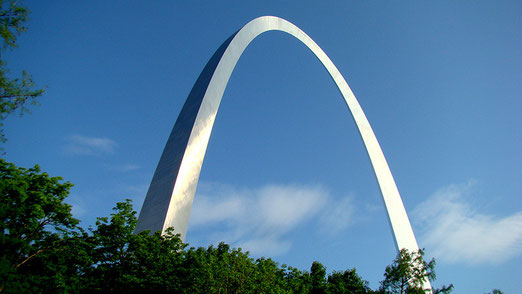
(286,174)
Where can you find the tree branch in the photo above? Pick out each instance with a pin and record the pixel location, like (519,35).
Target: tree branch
(19,95)
(29,257)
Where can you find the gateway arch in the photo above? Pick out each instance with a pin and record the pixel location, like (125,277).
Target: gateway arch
(171,192)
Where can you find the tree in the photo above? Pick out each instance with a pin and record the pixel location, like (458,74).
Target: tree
(347,282)
(15,93)
(43,250)
(296,280)
(318,277)
(33,222)
(496,291)
(120,261)
(270,278)
(407,274)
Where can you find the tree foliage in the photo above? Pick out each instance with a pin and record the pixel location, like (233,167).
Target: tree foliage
(347,282)
(408,273)
(44,250)
(496,291)
(34,220)
(318,277)
(15,93)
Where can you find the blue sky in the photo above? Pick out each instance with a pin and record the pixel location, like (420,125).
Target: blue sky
(286,174)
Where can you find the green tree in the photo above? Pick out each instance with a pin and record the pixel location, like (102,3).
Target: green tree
(269,277)
(218,270)
(347,282)
(318,278)
(43,250)
(224,270)
(496,291)
(407,274)
(15,93)
(33,222)
(121,261)
(297,281)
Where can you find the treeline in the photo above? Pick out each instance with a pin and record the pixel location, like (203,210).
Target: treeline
(44,250)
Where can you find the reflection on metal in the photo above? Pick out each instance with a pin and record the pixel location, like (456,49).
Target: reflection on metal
(169,199)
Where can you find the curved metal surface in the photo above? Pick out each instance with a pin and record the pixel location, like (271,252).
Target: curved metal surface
(169,199)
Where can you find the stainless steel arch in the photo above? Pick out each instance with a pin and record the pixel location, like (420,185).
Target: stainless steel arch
(169,199)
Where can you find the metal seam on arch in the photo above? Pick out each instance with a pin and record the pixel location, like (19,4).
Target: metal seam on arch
(171,193)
